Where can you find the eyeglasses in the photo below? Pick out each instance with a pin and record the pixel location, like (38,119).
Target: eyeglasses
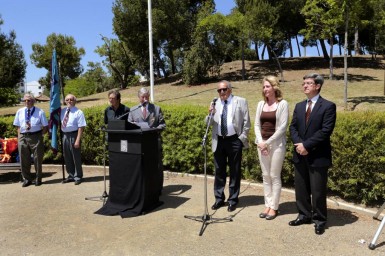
(222,90)
(70,99)
(308,83)
(27,100)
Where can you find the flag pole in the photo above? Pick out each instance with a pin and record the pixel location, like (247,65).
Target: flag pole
(151,51)
(55,108)
(61,132)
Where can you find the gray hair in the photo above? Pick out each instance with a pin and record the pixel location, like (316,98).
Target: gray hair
(227,83)
(30,96)
(143,91)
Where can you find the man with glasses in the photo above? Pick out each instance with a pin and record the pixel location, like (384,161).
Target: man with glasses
(310,129)
(31,124)
(231,125)
(72,126)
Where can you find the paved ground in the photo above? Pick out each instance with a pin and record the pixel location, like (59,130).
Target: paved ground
(55,219)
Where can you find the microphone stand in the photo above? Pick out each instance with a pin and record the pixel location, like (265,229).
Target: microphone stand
(104,196)
(206,218)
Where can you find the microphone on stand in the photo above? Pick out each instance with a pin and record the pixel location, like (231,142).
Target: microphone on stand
(213,105)
(139,106)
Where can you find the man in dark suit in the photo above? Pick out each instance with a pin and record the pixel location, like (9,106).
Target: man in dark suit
(152,116)
(116,110)
(311,127)
(231,125)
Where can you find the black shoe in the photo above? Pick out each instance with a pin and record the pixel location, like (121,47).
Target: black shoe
(68,180)
(272,217)
(319,229)
(298,222)
(26,183)
(262,215)
(231,207)
(77,182)
(217,205)
(37,182)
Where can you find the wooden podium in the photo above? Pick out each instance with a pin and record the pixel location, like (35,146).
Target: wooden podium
(134,172)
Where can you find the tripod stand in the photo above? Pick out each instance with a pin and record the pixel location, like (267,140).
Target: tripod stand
(372,245)
(104,196)
(206,218)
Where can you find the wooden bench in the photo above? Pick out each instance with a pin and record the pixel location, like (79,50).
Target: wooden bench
(10,166)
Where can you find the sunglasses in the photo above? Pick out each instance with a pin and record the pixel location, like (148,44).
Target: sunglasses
(222,90)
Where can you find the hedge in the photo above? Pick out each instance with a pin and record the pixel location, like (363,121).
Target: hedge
(358,150)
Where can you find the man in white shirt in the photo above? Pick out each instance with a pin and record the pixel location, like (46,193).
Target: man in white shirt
(72,125)
(31,124)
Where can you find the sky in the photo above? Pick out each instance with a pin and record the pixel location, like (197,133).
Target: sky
(84,20)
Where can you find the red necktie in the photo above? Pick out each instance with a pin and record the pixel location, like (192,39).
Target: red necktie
(144,111)
(28,119)
(308,111)
(66,118)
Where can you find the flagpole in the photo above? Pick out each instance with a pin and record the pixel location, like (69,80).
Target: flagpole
(151,51)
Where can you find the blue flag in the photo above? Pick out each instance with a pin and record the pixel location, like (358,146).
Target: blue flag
(55,105)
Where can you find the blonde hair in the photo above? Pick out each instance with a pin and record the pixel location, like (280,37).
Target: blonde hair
(275,84)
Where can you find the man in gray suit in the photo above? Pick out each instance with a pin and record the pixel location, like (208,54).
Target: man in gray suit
(152,115)
(231,125)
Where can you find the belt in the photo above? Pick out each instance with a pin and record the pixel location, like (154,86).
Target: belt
(71,132)
(31,133)
(228,137)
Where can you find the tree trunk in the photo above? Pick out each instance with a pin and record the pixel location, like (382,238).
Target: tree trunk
(324,51)
(263,52)
(243,61)
(331,58)
(346,61)
(172,61)
(299,47)
(290,46)
(256,50)
(357,50)
(278,63)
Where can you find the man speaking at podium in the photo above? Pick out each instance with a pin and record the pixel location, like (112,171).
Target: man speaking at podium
(146,113)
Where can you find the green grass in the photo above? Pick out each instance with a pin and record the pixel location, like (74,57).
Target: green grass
(365,86)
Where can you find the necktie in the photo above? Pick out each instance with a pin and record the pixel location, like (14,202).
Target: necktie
(144,111)
(28,119)
(308,111)
(224,120)
(65,120)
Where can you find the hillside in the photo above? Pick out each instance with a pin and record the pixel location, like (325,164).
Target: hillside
(365,86)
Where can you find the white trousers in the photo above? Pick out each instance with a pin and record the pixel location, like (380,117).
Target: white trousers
(271,166)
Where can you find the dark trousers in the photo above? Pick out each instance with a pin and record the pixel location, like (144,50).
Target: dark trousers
(72,156)
(31,145)
(228,152)
(311,191)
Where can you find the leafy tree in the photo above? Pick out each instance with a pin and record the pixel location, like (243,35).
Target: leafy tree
(130,24)
(119,60)
(68,57)
(323,18)
(12,67)
(80,87)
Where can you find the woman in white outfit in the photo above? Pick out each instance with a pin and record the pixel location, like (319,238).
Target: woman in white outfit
(271,121)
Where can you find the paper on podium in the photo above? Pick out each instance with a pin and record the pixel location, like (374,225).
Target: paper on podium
(142,124)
